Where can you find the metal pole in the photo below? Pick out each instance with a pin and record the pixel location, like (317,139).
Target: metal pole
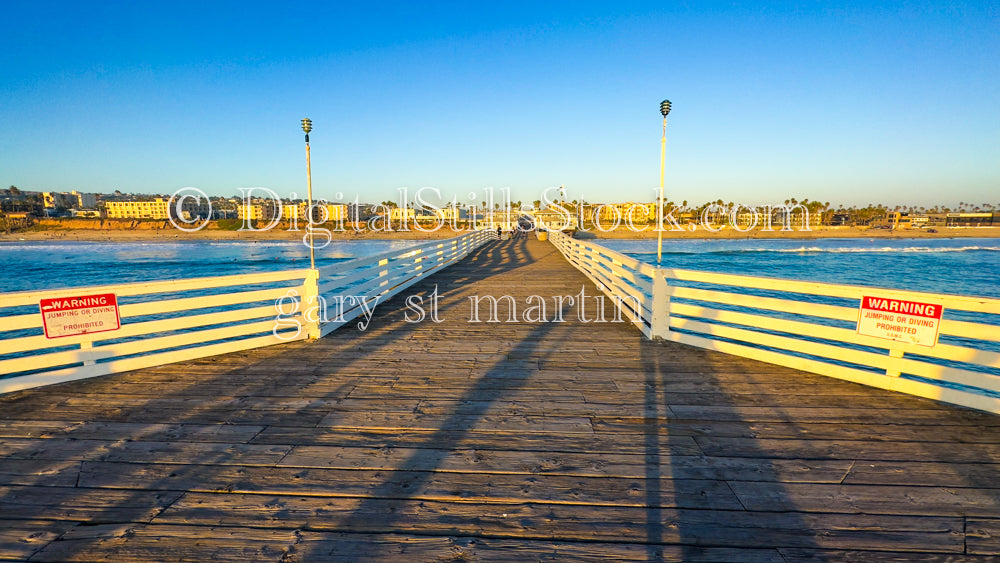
(659,227)
(664,110)
(309,194)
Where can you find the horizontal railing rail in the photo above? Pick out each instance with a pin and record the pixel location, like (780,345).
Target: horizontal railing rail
(164,322)
(809,326)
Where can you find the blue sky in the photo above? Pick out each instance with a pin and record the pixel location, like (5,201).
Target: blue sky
(848,103)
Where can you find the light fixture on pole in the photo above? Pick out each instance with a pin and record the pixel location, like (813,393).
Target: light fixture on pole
(664,109)
(307,126)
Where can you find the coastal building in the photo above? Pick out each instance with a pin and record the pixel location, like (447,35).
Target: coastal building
(85,201)
(84,213)
(399,213)
(333,211)
(555,219)
(972,219)
(634,212)
(69,200)
(840,220)
(131,209)
(252,211)
(446,214)
(154,208)
(899,220)
(264,210)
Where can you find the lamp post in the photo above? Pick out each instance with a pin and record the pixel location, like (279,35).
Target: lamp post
(664,109)
(307,126)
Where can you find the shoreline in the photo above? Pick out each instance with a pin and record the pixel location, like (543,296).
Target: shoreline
(814,233)
(163,235)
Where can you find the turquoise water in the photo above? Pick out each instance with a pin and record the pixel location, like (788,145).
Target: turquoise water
(30,265)
(968,266)
(965,266)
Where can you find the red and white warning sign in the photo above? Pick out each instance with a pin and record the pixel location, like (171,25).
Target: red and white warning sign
(82,314)
(902,321)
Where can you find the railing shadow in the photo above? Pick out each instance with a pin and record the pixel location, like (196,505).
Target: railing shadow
(110,433)
(389,498)
(718,526)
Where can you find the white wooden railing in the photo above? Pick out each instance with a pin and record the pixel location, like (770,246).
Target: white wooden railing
(171,321)
(343,285)
(161,322)
(804,325)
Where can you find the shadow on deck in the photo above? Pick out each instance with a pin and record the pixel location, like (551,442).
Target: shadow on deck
(495,441)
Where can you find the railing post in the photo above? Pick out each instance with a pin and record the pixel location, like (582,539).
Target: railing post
(659,323)
(894,353)
(86,348)
(383,273)
(310,304)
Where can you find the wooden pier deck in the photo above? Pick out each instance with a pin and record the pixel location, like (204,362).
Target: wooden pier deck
(523,441)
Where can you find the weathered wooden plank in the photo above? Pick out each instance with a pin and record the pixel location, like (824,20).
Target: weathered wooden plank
(196,543)
(920,416)
(131,431)
(685,460)
(847,449)
(163,452)
(511,423)
(50,473)
(139,542)
(21,539)
(573,523)
(872,432)
(705,384)
(869,499)
(935,472)
(475,438)
(515,404)
(483,392)
(473,460)
(82,505)
(846,400)
(34,428)
(453,487)
(983,536)
(853,556)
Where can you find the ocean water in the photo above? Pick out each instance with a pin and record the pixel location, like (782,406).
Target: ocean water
(966,266)
(962,266)
(30,265)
